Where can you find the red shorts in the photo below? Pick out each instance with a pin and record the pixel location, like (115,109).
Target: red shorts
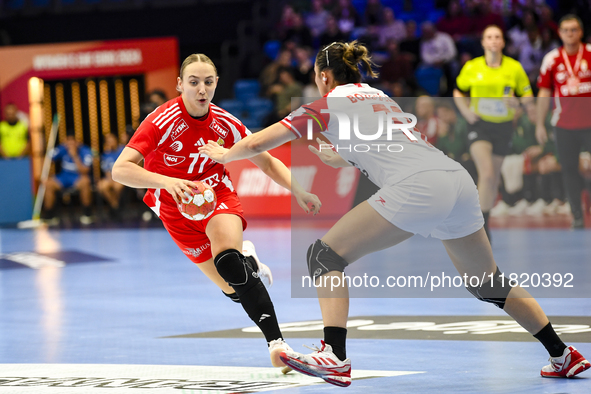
(190,235)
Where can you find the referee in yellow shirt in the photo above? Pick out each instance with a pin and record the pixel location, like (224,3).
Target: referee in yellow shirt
(14,135)
(492,82)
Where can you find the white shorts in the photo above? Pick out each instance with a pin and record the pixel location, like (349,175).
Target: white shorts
(443,204)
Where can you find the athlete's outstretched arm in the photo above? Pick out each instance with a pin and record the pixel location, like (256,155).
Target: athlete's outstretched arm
(276,170)
(269,138)
(128,172)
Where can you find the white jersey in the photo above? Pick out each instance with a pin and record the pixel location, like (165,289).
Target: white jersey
(369,130)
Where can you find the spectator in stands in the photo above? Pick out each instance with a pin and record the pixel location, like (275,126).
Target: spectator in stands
(14,134)
(484,16)
(565,75)
(455,22)
(304,69)
(332,33)
(411,45)
(317,19)
(397,67)
(75,160)
(298,33)
(107,187)
(283,92)
(157,96)
(270,74)
(392,28)
(533,52)
(374,13)
(427,122)
(438,50)
(286,21)
(547,20)
(452,136)
(347,17)
(459,26)
(371,39)
(518,35)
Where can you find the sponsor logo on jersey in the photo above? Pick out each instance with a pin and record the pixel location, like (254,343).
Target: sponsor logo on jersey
(200,142)
(179,129)
(195,252)
(171,160)
(219,129)
(560,77)
(222,206)
(177,146)
(317,117)
(381,201)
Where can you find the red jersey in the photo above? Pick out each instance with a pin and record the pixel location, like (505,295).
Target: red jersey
(569,83)
(169,139)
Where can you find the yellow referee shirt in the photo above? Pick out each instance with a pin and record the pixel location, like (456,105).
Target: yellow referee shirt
(13,138)
(486,83)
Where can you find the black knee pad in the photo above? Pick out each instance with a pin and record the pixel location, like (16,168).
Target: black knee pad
(494,291)
(235,270)
(234,297)
(322,259)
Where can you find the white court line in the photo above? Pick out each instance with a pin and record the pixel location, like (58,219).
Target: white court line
(156,379)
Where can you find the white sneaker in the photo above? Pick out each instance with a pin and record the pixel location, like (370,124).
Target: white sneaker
(263,271)
(277,346)
(537,208)
(551,209)
(501,209)
(323,363)
(518,208)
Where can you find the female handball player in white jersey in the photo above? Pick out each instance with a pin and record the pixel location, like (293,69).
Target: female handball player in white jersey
(168,140)
(421,191)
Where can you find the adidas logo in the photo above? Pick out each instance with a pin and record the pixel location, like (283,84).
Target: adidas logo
(222,206)
(263,317)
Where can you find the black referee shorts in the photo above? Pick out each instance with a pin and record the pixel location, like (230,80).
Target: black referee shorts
(500,135)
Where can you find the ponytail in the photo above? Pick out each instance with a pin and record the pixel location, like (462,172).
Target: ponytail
(344,60)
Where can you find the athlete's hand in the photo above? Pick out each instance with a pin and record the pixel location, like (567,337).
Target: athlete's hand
(327,155)
(178,187)
(541,134)
(308,201)
(214,151)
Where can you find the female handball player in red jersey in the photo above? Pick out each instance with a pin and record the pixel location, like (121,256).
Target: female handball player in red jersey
(168,141)
(421,191)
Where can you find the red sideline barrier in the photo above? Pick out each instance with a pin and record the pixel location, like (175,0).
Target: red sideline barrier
(263,198)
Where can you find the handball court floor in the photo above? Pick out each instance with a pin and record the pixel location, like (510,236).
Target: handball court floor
(122,310)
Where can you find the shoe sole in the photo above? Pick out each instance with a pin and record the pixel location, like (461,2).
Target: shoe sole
(572,372)
(303,368)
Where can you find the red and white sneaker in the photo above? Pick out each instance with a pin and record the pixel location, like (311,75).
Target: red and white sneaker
(263,270)
(568,365)
(323,363)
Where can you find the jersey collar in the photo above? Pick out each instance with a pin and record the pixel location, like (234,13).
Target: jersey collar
(348,85)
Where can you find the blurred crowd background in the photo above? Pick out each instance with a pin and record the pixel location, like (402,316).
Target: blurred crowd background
(264,52)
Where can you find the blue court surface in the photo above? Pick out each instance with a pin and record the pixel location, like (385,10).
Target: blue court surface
(124,311)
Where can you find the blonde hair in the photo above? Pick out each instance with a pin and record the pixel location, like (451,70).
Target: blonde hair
(343,59)
(196,58)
